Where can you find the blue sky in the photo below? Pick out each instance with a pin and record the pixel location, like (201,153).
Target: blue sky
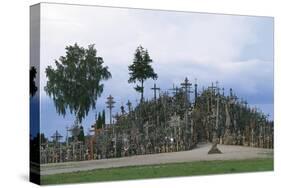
(235,50)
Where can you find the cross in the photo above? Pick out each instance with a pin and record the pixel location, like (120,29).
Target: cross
(217,88)
(110,104)
(186,85)
(195,91)
(155,89)
(56,136)
(212,88)
(175,90)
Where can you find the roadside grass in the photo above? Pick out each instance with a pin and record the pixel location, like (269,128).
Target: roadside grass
(161,170)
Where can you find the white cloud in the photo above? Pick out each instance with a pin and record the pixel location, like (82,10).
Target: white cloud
(204,46)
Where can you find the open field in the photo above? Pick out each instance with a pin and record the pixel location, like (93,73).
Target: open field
(162,170)
(197,154)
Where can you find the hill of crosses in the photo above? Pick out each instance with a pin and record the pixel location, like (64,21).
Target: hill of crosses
(169,122)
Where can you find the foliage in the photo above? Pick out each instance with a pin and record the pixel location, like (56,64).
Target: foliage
(99,122)
(76,81)
(141,69)
(81,136)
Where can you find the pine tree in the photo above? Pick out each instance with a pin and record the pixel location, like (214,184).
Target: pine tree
(141,69)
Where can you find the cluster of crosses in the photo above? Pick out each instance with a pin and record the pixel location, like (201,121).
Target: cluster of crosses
(170,122)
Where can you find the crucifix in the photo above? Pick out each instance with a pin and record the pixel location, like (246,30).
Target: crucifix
(212,87)
(56,137)
(186,86)
(110,104)
(155,89)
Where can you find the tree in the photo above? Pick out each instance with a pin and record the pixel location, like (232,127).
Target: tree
(81,136)
(99,122)
(103,117)
(76,82)
(141,70)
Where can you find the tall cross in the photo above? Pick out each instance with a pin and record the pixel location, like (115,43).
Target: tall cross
(186,85)
(110,104)
(56,136)
(154,90)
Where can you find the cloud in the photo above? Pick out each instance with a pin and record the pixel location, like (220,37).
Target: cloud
(209,47)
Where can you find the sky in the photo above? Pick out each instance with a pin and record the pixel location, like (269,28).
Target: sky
(236,51)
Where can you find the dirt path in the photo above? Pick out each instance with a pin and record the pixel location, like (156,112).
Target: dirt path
(197,154)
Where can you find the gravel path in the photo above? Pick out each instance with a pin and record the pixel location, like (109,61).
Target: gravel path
(197,154)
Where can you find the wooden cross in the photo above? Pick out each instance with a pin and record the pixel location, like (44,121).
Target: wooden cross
(56,136)
(155,89)
(186,86)
(110,104)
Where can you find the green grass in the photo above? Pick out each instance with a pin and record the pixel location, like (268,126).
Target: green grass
(163,170)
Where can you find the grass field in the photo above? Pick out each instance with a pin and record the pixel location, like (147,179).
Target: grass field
(162,170)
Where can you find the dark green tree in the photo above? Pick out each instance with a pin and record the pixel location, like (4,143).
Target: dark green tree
(76,81)
(81,136)
(103,117)
(141,69)
(99,122)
